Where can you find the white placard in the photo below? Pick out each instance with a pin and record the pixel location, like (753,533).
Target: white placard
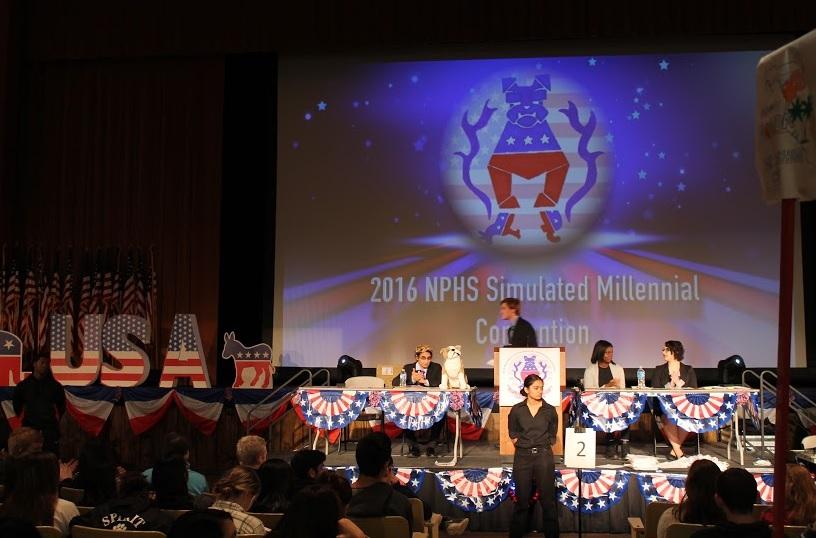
(516,363)
(579,449)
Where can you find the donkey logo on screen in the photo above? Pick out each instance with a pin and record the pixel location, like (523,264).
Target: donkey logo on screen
(253,365)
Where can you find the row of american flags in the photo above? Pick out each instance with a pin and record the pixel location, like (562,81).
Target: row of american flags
(35,284)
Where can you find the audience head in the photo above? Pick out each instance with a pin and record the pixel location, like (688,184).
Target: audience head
(673,349)
(18,528)
(736,492)
(313,513)
(374,456)
(170,483)
(239,485)
(24,440)
(175,446)
(599,352)
(800,496)
(277,482)
(251,451)
(698,504)
(339,484)
(307,464)
(97,471)
(203,524)
(33,493)
(133,484)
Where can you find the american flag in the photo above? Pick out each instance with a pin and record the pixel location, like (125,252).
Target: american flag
(60,340)
(107,294)
(28,321)
(49,302)
(97,300)
(184,357)
(3,294)
(134,361)
(11,357)
(67,306)
(141,301)
(84,308)
(152,289)
(129,291)
(12,306)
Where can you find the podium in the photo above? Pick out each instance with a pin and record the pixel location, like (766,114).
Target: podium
(510,366)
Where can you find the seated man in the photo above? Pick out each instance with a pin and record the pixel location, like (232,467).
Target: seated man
(735,495)
(372,494)
(306,465)
(176,446)
(425,373)
(251,451)
(134,510)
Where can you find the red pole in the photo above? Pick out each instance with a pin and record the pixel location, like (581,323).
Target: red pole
(783,362)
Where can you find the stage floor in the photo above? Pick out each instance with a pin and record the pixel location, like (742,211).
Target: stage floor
(484,454)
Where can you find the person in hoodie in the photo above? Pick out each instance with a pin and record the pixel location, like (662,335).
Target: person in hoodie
(372,493)
(133,510)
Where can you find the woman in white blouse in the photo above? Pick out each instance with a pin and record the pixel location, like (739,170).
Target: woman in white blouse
(603,373)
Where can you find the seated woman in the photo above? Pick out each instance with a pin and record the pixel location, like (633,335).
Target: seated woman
(33,493)
(603,373)
(277,486)
(234,493)
(316,512)
(96,472)
(423,372)
(170,484)
(698,505)
(800,498)
(674,374)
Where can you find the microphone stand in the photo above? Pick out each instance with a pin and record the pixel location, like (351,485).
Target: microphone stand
(579,428)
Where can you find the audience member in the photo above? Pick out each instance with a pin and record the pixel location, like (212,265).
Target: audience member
(203,524)
(33,495)
(176,446)
(235,493)
(373,495)
(251,451)
(133,510)
(800,498)
(277,481)
(15,527)
(170,483)
(307,464)
(697,505)
(21,441)
(97,470)
(736,494)
(24,440)
(316,512)
(342,488)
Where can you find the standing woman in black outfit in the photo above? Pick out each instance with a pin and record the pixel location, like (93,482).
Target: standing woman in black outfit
(533,426)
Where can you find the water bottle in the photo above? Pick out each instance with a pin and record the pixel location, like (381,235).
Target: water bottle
(403,378)
(641,378)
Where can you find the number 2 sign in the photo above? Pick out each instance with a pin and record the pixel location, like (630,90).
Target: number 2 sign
(579,449)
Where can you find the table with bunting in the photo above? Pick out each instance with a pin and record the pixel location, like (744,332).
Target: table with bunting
(695,410)
(409,408)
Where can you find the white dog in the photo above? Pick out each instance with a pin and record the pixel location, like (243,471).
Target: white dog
(453,371)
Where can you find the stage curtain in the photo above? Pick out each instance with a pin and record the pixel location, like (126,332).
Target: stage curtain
(127,153)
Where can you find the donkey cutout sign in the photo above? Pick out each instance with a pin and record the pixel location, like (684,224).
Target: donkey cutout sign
(257,359)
